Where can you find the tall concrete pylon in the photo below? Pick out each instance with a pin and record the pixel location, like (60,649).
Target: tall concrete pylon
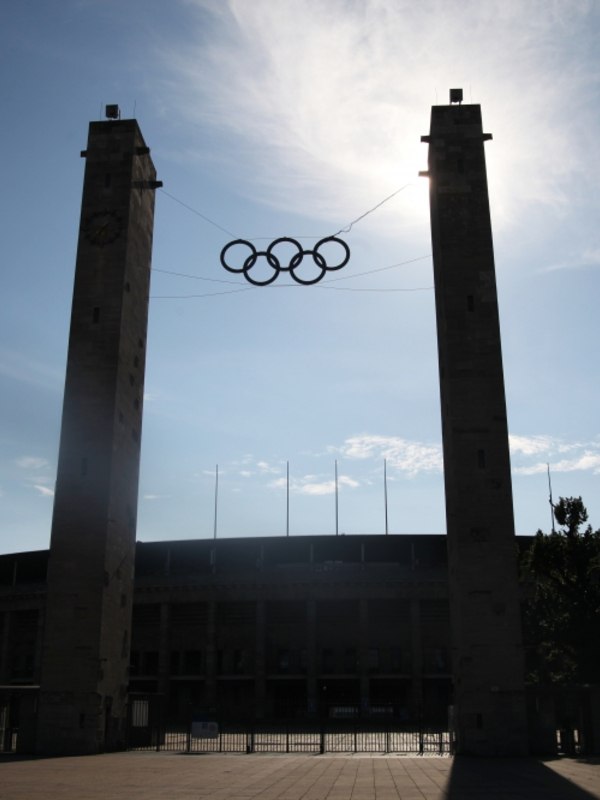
(488,664)
(85,656)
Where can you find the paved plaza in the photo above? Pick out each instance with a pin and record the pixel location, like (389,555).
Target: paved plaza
(173,776)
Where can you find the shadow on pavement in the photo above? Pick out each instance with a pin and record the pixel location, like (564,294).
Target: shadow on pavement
(509,779)
(11,758)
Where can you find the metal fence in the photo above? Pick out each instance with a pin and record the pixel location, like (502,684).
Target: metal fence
(329,736)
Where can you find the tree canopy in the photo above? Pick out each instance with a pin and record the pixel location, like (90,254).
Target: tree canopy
(561,571)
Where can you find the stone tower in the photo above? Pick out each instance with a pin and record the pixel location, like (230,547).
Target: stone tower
(85,655)
(484,604)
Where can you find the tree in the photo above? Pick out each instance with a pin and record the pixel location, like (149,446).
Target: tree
(561,571)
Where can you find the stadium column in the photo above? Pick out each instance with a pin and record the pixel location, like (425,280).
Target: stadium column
(211,654)
(363,665)
(164,652)
(312,692)
(416,643)
(260,663)
(5,637)
(85,652)
(489,700)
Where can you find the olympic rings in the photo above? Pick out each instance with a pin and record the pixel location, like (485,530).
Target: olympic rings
(293,264)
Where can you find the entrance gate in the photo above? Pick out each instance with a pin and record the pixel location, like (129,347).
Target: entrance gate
(148,730)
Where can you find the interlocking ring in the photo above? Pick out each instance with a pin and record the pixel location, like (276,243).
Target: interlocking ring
(250,261)
(293,265)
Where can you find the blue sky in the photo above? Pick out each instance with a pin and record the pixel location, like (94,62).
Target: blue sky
(292,118)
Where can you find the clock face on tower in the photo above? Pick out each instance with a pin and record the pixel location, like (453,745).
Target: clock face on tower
(102,228)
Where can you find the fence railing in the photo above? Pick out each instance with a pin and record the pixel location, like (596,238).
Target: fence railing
(330,736)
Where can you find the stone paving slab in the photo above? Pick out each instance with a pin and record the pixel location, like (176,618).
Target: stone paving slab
(158,776)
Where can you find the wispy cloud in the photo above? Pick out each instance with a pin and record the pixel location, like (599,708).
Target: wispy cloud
(45,491)
(531,455)
(31,462)
(267,469)
(587,462)
(531,445)
(251,467)
(337,110)
(315,485)
(152,497)
(406,459)
(35,473)
(402,454)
